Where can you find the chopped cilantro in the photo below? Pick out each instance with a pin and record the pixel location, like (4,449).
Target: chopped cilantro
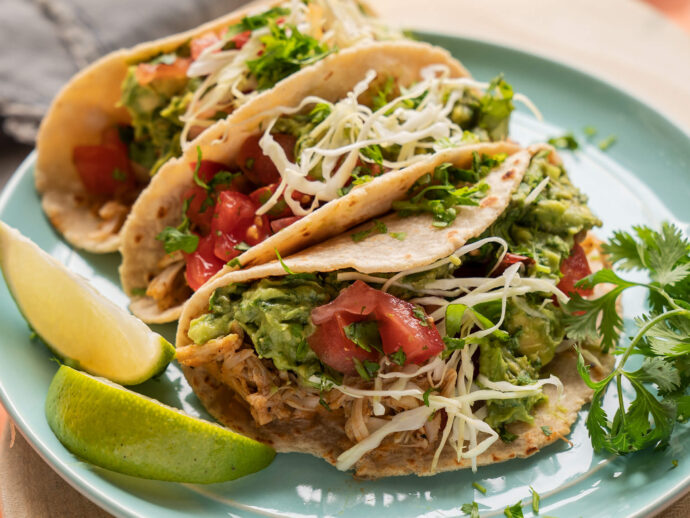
(420,315)
(365,334)
(119,175)
(282,263)
(479,487)
(180,237)
(674,463)
(286,50)
(233,263)
(514,511)
(427,393)
(373,153)
(250,23)
(452,344)
(399,357)
(242,246)
(378,228)
(506,436)
(607,142)
(589,131)
(546,430)
(496,106)
(138,292)
(366,369)
(471,509)
(383,94)
(535,500)
(566,141)
(323,403)
(400,236)
(440,193)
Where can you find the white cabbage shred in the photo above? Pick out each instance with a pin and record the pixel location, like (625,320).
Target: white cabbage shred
(465,429)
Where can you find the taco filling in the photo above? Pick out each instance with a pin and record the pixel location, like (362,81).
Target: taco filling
(173,96)
(445,356)
(320,151)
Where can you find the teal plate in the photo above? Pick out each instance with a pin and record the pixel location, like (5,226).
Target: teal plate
(643,178)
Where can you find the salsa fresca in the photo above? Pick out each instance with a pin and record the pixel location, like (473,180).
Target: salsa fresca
(173,96)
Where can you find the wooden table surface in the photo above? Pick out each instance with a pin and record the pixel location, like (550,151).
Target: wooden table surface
(626,42)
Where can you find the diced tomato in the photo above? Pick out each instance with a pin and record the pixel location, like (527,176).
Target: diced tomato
(509,260)
(198,45)
(262,195)
(202,264)
(334,348)
(234,221)
(147,72)
(574,267)
(279,224)
(104,169)
(200,211)
(241,39)
(258,167)
(398,325)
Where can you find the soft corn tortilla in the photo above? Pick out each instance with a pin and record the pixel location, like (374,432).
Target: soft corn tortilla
(160,205)
(79,114)
(324,435)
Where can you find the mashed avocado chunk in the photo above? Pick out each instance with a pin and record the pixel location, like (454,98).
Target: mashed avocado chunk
(155,108)
(544,229)
(535,331)
(274,312)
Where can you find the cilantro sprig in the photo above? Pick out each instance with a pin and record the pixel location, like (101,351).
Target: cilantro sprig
(180,237)
(662,338)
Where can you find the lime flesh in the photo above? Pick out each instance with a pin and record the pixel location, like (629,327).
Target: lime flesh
(74,320)
(117,429)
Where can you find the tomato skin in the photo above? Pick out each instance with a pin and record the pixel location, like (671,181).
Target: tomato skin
(279,224)
(147,72)
(334,348)
(509,260)
(398,326)
(208,169)
(234,221)
(105,169)
(261,196)
(241,39)
(200,212)
(198,45)
(256,166)
(201,264)
(574,267)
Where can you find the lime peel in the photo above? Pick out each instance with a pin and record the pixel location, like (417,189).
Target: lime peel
(76,322)
(117,429)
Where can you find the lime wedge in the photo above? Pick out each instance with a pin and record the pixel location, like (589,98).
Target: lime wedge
(123,431)
(74,320)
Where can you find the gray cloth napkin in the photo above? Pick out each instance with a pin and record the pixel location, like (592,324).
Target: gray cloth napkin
(45,42)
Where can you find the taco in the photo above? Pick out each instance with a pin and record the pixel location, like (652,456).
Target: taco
(315,156)
(121,118)
(440,351)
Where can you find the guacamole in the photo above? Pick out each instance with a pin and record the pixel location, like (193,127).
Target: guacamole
(545,229)
(274,312)
(155,108)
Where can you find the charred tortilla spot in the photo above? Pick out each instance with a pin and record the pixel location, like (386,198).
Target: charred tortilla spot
(531,450)
(162,211)
(138,238)
(489,201)
(328,75)
(509,174)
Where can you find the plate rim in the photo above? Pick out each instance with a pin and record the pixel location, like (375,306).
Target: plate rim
(119,508)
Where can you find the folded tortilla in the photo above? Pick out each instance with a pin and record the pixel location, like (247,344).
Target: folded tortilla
(87,106)
(160,205)
(219,372)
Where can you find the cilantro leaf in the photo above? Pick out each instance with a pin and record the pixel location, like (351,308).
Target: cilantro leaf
(250,23)
(566,141)
(180,237)
(514,511)
(378,228)
(366,369)
(365,334)
(479,487)
(398,357)
(471,509)
(286,50)
(546,430)
(535,500)
(427,393)
(607,142)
